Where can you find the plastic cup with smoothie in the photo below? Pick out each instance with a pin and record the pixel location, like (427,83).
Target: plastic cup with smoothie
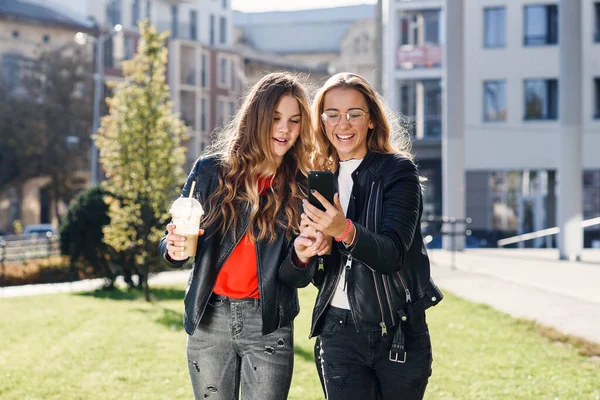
(186,213)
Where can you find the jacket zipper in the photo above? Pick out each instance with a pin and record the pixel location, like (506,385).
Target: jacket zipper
(405,286)
(382,323)
(337,280)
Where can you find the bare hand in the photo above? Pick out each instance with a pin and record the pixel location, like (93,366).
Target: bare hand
(311,243)
(332,221)
(175,243)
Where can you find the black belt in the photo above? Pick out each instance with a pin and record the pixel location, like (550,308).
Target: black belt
(218,297)
(397,351)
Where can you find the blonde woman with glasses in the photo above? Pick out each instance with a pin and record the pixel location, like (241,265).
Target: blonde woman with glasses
(375,286)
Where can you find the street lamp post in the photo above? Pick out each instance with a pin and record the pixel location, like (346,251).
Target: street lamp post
(81,39)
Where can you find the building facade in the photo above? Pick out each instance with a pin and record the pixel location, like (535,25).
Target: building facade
(414,36)
(26,32)
(511,109)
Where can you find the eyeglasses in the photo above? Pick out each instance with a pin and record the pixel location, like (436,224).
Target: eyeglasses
(354,117)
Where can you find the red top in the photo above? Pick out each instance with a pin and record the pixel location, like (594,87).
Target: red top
(238,279)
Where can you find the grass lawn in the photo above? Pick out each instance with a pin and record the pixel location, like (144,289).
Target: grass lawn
(116,346)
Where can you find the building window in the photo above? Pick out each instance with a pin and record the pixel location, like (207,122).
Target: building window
(432,107)
(46,38)
(11,70)
(193,25)
(113,12)
(223,70)
(223,30)
(212,30)
(203,70)
(541,99)
(541,25)
(203,115)
(221,113)
(108,53)
(148,8)
(174,21)
(135,12)
(494,101)
(129,42)
(15,34)
(233,83)
(231,110)
(597,98)
(224,4)
(494,27)
(597,22)
(431,26)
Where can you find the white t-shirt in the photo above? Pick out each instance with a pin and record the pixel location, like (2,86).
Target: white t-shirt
(345,183)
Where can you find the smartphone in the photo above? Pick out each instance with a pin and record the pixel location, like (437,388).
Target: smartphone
(322,182)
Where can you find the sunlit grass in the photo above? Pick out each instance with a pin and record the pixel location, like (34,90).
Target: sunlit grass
(114,345)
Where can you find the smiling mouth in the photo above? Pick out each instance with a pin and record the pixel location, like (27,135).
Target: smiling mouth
(281,140)
(344,138)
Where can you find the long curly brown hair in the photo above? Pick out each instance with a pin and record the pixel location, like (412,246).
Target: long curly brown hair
(245,154)
(388,136)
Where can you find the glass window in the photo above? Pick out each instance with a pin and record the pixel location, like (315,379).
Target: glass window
(494,27)
(203,71)
(494,101)
(108,53)
(432,90)
(212,30)
(174,21)
(233,80)
(221,113)
(135,12)
(597,22)
(148,8)
(231,109)
(223,30)
(193,25)
(541,25)
(224,4)
(11,67)
(223,70)
(432,27)
(597,98)
(203,114)
(113,12)
(541,99)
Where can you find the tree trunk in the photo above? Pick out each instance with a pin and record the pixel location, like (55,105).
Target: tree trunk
(146,286)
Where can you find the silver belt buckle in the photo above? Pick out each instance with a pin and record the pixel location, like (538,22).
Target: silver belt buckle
(396,358)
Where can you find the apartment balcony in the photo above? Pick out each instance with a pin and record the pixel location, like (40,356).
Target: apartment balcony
(418,4)
(410,57)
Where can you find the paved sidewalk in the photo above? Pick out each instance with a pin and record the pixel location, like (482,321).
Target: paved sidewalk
(528,283)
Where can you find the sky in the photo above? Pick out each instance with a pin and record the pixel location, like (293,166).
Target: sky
(281,5)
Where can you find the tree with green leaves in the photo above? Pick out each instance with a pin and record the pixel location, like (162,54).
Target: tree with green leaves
(140,146)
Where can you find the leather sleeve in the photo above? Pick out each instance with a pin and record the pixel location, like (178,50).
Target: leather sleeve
(292,275)
(386,251)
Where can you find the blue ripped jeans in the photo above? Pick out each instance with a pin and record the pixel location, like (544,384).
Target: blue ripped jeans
(228,351)
(357,365)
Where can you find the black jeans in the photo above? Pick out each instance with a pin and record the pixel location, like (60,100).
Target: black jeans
(357,365)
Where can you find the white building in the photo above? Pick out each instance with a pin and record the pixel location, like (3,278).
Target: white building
(511,107)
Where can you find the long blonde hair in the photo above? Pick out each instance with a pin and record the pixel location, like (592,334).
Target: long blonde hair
(389,135)
(243,149)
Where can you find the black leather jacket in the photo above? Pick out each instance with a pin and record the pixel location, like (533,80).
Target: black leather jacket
(279,302)
(387,268)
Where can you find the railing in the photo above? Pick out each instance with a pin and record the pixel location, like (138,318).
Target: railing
(448,226)
(26,247)
(410,56)
(543,233)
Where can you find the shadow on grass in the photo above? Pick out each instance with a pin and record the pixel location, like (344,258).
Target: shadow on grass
(305,354)
(156,294)
(171,319)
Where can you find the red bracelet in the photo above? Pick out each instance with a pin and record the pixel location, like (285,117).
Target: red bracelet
(347,232)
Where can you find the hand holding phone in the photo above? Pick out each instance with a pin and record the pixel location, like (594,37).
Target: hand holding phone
(322,182)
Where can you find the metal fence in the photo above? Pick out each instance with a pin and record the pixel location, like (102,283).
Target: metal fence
(28,247)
